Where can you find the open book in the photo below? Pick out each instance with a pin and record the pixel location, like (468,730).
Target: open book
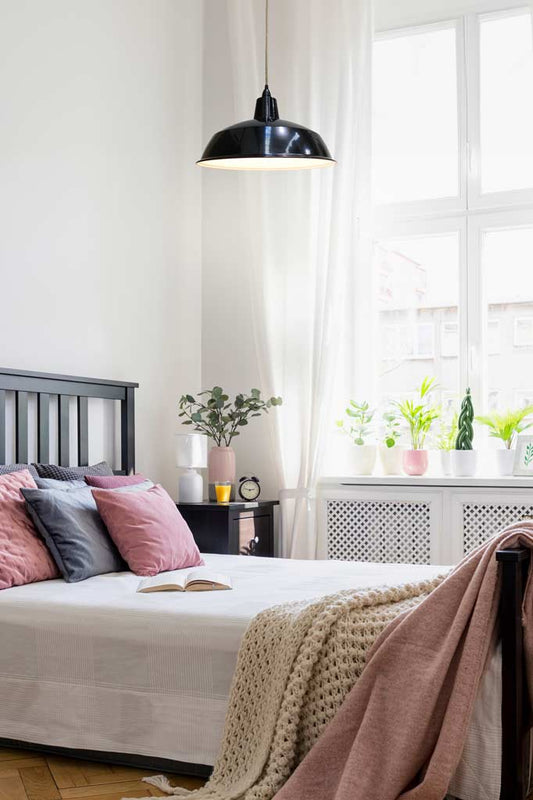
(197,580)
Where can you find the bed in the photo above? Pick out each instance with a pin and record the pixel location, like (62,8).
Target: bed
(96,669)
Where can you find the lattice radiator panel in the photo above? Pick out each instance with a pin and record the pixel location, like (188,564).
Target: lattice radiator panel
(373,530)
(481,521)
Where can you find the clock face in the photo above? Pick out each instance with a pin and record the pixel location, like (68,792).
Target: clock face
(249,490)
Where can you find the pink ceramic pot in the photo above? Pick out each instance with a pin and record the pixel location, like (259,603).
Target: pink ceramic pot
(415,462)
(221,467)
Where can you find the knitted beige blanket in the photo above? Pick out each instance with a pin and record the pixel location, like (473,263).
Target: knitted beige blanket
(296,664)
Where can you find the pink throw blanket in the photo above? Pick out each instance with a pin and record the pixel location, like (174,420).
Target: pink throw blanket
(401,730)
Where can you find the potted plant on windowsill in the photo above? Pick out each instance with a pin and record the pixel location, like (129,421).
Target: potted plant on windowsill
(446,442)
(390,452)
(420,415)
(357,427)
(464,457)
(506,426)
(212,412)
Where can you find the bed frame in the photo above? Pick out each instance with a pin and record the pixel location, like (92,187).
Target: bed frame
(64,387)
(514,564)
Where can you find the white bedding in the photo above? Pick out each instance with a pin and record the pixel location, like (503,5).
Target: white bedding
(94,665)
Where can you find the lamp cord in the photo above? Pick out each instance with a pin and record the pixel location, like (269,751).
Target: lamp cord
(266,42)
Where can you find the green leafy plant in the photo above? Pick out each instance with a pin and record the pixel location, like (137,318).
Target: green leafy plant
(528,455)
(507,424)
(212,412)
(465,431)
(392,428)
(420,414)
(447,434)
(357,426)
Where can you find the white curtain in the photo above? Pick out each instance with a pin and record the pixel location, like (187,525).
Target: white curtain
(307,231)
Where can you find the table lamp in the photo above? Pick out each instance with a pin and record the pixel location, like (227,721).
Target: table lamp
(191,454)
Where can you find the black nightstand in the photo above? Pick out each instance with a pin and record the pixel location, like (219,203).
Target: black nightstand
(245,528)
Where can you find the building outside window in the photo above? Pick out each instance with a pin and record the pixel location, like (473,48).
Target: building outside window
(453,197)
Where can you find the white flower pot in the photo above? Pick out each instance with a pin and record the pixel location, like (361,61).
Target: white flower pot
(464,463)
(505,461)
(445,462)
(364,458)
(391,459)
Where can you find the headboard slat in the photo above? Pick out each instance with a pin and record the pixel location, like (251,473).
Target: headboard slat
(64,430)
(83,431)
(21,427)
(43,428)
(3,425)
(127,438)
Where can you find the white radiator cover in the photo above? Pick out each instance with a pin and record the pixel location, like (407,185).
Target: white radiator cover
(417,521)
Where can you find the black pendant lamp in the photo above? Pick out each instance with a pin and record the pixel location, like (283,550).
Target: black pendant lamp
(266,142)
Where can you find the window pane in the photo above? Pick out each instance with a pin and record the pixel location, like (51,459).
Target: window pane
(415,139)
(417,294)
(507,266)
(506,75)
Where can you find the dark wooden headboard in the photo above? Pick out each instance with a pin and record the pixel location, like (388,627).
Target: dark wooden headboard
(46,386)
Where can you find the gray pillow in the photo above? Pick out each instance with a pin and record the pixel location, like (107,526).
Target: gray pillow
(73,530)
(62,486)
(74,533)
(5,468)
(72,473)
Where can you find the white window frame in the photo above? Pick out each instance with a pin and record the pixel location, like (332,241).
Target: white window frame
(471,212)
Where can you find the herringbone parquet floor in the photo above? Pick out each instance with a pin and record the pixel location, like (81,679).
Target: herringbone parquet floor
(34,776)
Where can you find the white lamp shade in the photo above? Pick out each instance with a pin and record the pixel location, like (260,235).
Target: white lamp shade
(191,450)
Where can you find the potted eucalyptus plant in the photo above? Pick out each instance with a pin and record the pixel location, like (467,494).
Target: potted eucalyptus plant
(419,414)
(464,457)
(213,413)
(506,426)
(390,452)
(357,424)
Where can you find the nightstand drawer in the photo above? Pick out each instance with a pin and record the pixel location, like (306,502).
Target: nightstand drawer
(255,535)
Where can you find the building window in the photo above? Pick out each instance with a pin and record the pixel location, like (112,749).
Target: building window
(453,193)
(523,332)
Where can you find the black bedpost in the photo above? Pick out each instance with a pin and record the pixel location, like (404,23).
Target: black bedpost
(514,780)
(127,414)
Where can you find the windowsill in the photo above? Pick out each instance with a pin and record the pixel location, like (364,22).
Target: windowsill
(508,482)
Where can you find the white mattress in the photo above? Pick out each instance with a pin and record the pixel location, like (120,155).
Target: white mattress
(96,666)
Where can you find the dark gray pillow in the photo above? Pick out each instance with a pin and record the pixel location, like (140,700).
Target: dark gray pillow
(73,530)
(72,473)
(5,468)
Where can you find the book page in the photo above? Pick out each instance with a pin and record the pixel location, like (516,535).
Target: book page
(165,580)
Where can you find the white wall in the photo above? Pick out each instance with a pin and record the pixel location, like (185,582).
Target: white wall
(228,353)
(100,199)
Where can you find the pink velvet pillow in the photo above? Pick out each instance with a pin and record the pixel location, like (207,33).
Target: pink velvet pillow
(114,481)
(24,557)
(148,530)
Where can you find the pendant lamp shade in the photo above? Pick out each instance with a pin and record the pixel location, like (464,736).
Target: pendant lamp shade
(266,142)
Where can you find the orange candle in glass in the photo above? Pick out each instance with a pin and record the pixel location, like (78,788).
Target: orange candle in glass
(223,491)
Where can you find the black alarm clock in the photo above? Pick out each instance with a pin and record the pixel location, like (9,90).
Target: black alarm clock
(249,489)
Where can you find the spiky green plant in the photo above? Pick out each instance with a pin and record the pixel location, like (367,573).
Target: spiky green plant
(357,426)
(420,414)
(465,432)
(508,424)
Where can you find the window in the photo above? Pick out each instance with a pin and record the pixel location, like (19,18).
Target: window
(453,195)
(523,332)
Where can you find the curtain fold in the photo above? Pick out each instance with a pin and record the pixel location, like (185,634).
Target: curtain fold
(307,232)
